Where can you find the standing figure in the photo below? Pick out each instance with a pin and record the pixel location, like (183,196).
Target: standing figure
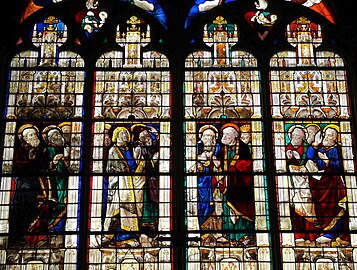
(124,192)
(28,210)
(328,189)
(237,185)
(58,155)
(302,211)
(207,147)
(146,150)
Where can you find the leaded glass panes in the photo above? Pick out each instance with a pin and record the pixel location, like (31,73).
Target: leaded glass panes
(313,153)
(131,197)
(96,174)
(225,184)
(42,154)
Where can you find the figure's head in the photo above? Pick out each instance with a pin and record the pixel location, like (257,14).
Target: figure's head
(145,137)
(246,135)
(66,128)
(107,139)
(330,137)
(297,136)
(230,134)
(145,134)
(30,136)
(208,135)
(312,130)
(55,136)
(121,136)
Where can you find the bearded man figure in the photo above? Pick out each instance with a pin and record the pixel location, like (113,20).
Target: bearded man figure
(328,189)
(146,151)
(295,149)
(27,205)
(237,185)
(302,210)
(58,157)
(207,147)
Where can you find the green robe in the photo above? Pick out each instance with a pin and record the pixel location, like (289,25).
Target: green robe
(59,182)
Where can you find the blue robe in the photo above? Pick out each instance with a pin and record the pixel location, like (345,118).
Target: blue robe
(205,190)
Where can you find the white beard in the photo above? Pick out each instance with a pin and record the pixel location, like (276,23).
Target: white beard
(33,142)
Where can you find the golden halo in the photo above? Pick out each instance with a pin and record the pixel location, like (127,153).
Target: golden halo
(335,127)
(117,131)
(23,128)
(48,129)
(63,124)
(205,127)
(292,128)
(230,125)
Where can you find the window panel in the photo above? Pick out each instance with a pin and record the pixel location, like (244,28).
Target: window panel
(42,153)
(130,212)
(313,153)
(128,178)
(225,183)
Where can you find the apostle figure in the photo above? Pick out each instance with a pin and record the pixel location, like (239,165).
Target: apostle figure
(237,185)
(303,216)
(58,155)
(295,149)
(328,189)
(146,150)
(28,208)
(125,192)
(207,147)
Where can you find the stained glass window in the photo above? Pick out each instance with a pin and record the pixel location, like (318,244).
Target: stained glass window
(313,151)
(225,183)
(131,208)
(41,158)
(202,134)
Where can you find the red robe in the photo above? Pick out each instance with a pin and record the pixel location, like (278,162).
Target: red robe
(238,185)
